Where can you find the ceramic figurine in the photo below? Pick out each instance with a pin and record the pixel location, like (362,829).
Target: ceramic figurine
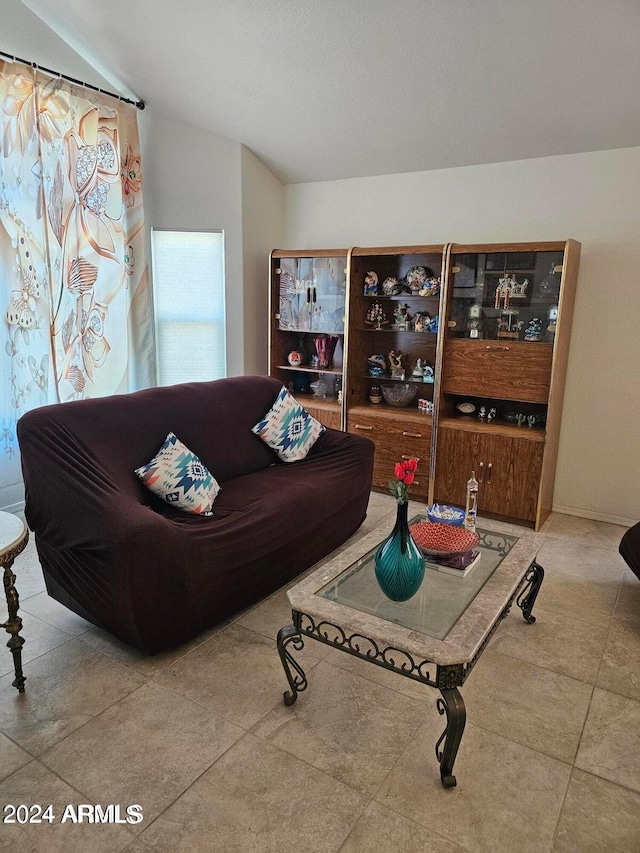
(491,415)
(482,413)
(371,284)
(395,363)
(474,321)
(401,317)
(531,420)
(433,325)
(390,286)
(418,370)
(375,394)
(416,278)
(521,419)
(508,326)
(376,316)
(295,358)
(427,374)
(377,365)
(431,287)
(533,332)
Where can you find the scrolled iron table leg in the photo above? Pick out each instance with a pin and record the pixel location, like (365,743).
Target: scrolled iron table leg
(527,598)
(451,704)
(14,625)
(290,635)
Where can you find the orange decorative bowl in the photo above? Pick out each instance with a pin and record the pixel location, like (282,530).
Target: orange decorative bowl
(442,540)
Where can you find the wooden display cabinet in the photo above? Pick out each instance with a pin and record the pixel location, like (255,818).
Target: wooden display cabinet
(398,432)
(308,302)
(503,356)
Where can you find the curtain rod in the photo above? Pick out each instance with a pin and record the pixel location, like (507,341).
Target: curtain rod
(138,104)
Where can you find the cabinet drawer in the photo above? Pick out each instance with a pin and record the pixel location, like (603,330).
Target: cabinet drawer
(510,370)
(395,442)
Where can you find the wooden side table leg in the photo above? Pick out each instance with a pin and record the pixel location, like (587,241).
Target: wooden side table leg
(14,625)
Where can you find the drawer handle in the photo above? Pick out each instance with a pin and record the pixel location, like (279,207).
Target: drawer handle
(360,426)
(412,434)
(489,467)
(500,349)
(481,472)
(406,456)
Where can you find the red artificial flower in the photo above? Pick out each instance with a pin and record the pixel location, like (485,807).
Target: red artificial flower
(405,476)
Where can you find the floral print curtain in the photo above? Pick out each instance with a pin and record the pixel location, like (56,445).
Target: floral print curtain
(75,304)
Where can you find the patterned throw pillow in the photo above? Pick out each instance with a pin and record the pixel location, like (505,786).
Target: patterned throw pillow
(288,428)
(177,476)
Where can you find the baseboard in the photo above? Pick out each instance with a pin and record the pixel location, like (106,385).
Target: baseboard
(595,516)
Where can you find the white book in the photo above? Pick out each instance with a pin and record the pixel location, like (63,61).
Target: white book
(450,570)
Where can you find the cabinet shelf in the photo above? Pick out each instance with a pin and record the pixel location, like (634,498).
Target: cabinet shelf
(306,369)
(497,427)
(325,403)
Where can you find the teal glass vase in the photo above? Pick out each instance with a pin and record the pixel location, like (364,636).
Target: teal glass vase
(399,563)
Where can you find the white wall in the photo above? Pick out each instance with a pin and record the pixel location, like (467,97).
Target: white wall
(191,179)
(594,198)
(262,231)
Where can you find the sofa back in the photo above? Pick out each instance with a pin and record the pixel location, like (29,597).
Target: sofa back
(119,433)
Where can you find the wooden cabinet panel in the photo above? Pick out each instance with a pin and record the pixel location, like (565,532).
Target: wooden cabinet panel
(507,469)
(329,417)
(514,370)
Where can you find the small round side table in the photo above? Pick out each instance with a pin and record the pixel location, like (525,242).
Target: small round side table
(14,536)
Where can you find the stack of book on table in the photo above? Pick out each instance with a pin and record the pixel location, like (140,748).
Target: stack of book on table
(456,564)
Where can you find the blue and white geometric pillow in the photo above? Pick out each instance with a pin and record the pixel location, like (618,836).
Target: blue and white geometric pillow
(177,476)
(288,428)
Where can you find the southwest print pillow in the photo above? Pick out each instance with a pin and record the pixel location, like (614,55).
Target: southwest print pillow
(288,428)
(176,475)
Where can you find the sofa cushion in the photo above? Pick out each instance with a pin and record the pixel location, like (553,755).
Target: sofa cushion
(288,428)
(177,476)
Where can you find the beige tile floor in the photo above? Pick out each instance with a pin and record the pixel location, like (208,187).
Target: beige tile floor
(200,738)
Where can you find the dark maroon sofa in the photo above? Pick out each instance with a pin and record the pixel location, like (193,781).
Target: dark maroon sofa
(630,549)
(154,576)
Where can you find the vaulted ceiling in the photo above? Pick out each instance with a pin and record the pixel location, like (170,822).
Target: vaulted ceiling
(327,89)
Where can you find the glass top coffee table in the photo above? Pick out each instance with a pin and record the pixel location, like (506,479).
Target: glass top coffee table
(436,637)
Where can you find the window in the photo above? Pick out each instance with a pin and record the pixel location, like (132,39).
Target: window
(188,289)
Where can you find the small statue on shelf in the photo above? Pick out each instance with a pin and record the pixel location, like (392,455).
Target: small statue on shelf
(390,286)
(533,332)
(508,326)
(474,321)
(375,394)
(371,284)
(401,318)
(433,325)
(377,365)
(428,374)
(395,363)
(491,415)
(431,287)
(418,370)
(376,316)
(421,321)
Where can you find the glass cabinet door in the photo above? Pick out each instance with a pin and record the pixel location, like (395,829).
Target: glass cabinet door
(505,296)
(328,294)
(312,294)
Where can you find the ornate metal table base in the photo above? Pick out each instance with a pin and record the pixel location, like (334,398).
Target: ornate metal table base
(14,623)
(446,678)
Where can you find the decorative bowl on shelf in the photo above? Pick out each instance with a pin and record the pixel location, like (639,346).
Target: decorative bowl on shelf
(442,540)
(445,514)
(400,394)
